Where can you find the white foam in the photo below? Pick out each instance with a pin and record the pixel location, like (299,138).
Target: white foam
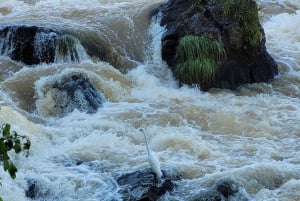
(250,136)
(283,36)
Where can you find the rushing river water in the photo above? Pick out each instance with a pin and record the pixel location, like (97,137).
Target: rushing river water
(251,135)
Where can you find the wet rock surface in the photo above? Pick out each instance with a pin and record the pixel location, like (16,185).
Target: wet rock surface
(59,95)
(140,185)
(28,44)
(246,62)
(223,190)
(77,92)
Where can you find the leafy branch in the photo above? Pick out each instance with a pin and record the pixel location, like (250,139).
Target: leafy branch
(11,141)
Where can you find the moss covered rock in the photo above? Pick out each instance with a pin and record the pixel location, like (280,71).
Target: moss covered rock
(234,25)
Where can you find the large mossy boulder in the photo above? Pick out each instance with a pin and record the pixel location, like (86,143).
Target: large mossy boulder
(215,43)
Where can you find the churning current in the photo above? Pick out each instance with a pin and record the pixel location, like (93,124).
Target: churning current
(251,135)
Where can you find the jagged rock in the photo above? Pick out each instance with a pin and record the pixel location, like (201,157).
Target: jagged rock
(68,92)
(247,59)
(140,186)
(79,93)
(28,44)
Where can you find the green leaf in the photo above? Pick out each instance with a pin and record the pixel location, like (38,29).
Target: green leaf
(10,141)
(2,147)
(6,130)
(5,156)
(1,199)
(6,165)
(12,170)
(9,144)
(17,147)
(27,145)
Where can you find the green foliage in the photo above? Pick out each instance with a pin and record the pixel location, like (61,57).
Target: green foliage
(199,56)
(246,13)
(198,6)
(12,142)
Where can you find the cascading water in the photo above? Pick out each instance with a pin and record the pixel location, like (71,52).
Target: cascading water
(68,49)
(250,135)
(34,45)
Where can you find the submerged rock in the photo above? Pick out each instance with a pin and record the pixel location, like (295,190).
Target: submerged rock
(140,186)
(36,190)
(63,94)
(81,94)
(32,190)
(224,25)
(223,190)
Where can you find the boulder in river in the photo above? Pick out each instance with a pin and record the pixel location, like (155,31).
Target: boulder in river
(223,190)
(33,45)
(28,44)
(62,94)
(215,43)
(140,186)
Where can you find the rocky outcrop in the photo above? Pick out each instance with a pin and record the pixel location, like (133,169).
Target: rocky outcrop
(80,94)
(62,94)
(33,45)
(140,185)
(235,25)
(28,44)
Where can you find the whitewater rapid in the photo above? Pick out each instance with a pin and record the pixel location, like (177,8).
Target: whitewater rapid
(251,135)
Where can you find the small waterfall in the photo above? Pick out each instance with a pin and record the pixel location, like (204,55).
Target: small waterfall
(6,46)
(28,44)
(34,45)
(69,49)
(43,42)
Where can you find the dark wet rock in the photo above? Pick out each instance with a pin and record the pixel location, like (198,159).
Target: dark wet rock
(61,94)
(140,186)
(210,195)
(223,190)
(32,190)
(28,44)
(35,190)
(75,91)
(246,61)
(226,187)
(33,45)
